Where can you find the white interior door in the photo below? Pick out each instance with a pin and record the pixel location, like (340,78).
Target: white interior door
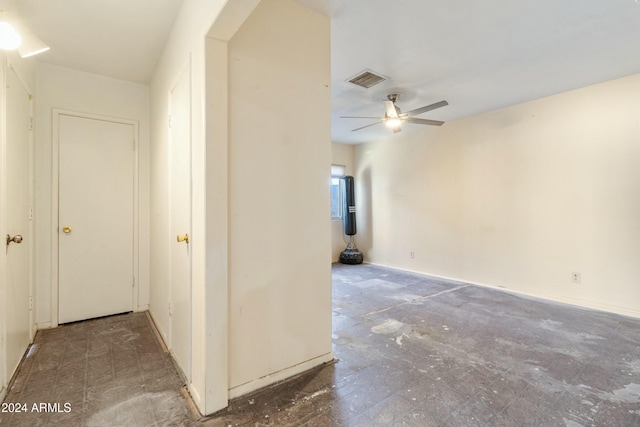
(18,224)
(180,177)
(95,217)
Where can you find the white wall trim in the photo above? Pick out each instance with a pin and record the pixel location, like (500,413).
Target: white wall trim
(55,169)
(157,331)
(576,302)
(215,305)
(44,325)
(216,287)
(256,384)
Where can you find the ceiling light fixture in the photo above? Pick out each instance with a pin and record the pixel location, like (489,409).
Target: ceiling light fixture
(9,37)
(14,35)
(393,122)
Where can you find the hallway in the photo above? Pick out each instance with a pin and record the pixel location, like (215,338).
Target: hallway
(103,372)
(411,350)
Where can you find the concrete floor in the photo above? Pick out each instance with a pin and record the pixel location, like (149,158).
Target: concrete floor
(411,351)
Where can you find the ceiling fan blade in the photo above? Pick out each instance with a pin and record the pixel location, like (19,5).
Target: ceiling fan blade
(391,109)
(359,117)
(426,108)
(424,121)
(365,126)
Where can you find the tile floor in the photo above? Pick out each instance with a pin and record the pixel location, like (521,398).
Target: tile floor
(411,351)
(104,372)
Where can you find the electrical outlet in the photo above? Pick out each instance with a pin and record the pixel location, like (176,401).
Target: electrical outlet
(412,255)
(576,277)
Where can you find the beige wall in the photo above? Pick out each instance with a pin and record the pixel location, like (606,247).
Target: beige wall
(279,161)
(67,89)
(186,47)
(516,198)
(341,154)
(259,189)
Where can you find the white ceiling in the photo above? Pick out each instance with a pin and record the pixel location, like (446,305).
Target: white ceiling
(479,56)
(122,39)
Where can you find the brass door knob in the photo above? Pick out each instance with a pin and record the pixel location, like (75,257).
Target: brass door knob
(66,229)
(15,239)
(184,238)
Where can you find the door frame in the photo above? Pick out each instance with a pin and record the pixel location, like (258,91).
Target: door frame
(5,67)
(55,170)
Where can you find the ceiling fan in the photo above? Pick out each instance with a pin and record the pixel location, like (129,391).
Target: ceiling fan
(393,117)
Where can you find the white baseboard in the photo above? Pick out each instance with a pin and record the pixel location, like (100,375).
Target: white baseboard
(156,331)
(196,403)
(256,384)
(592,305)
(45,325)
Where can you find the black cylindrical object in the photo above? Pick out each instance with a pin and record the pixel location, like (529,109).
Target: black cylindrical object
(351,255)
(349,207)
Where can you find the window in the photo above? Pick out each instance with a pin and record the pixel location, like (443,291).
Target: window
(337,192)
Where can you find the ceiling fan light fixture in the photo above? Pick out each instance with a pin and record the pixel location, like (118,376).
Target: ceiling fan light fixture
(394,117)
(9,37)
(393,122)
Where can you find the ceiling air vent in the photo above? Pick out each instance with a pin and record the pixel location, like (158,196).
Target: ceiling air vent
(366,79)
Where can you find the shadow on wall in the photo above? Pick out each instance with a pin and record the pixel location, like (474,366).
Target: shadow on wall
(365,212)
